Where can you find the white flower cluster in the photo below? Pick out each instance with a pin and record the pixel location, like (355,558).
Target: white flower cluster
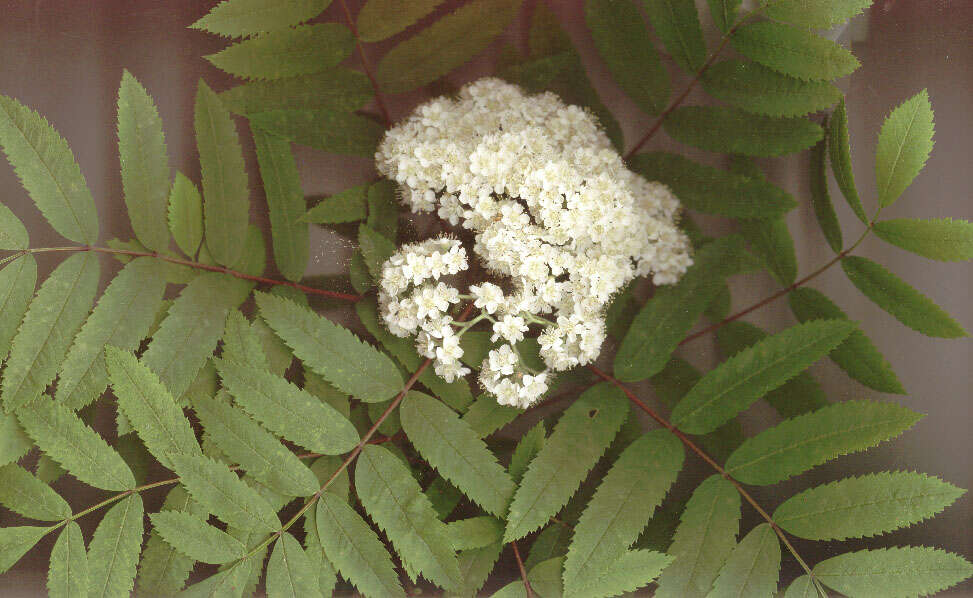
(556,216)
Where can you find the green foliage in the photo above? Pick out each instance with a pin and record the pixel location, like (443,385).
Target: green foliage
(711,190)
(213,485)
(323,129)
(13,235)
(475,532)
(751,373)
(48,171)
(444,45)
(285,203)
(240,18)
(839,152)
(337,89)
(623,43)
(288,52)
(821,199)
(290,572)
(731,130)
(620,508)
(52,318)
(895,296)
(865,506)
(752,568)
(677,25)
(798,444)
(163,570)
(941,239)
(17,282)
(347,206)
(579,439)
(375,249)
(485,416)
(68,575)
(15,541)
(185,215)
(113,552)
(331,351)
(193,537)
(772,241)
(793,51)
(856,355)
(451,446)
(14,443)
(904,144)
(23,493)
(381,19)
(802,587)
(529,446)
(724,13)
(816,14)
(901,572)
(755,88)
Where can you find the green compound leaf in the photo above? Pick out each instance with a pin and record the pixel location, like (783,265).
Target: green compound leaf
(225,186)
(529,446)
(76,447)
(302,50)
(23,493)
(121,319)
(162,569)
(145,163)
(794,51)
(16,541)
(53,317)
(347,206)
(17,281)
(375,249)
(865,506)
(113,553)
(772,242)
(149,407)
(355,550)
(705,537)
(475,532)
(239,18)
(260,454)
(815,14)
(724,13)
(196,539)
(752,568)
(624,44)
(621,507)
(739,381)
(578,441)
(941,239)
(821,199)
(904,144)
(68,575)
(839,152)
(285,203)
(338,89)
(711,190)
(476,565)
(287,410)
(802,587)
(327,130)
(213,485)
(857,355)
(730,130)
(48,171)
(231,582)
(13,235)
(381,19)
(631,571)
(676,22)
(331,351)
(186,214)
(290,571)
(756,88)
(898,298)
(395,502)
(241,343)
(191,330)
(485,415)
(446,44)
(798,395)
(456,451)
(796,445)
(667,317)
(901,572)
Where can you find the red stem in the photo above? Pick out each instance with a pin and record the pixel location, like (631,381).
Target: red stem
(523,572)
(367,68)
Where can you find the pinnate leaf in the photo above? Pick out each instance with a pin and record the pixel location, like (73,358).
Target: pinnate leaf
(579,439)
(239,18)
(856,355)
(17,282)
(162,569)
(711,190)
(815,14)
(456,451)
(375,249)
(339,89)
(23,493)
(68,575)
(739,381)
(798,444)
(354,549)
(231,582)
(347,206)
(331,351)
(113,553)
(285,203)
(900,572)
(724,13)
(301,50)
(290,572)
(752,568)
(76,447)
(195,538)
(705,537)
(839,152)
(898,298)
(730,130)
(631,571)
(15,541)
(941,239)
(621,507)
(13,235)
(802,587)
(53,317)
(793,51)
(904,144)
(821,199)
(48,171)
(381,19)
(755,88)
(772,241)
(324,129)
(676,22)
(865,506)
(474,532)
(186,214)
(527,448)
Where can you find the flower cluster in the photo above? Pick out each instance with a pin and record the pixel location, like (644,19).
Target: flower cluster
(557,219)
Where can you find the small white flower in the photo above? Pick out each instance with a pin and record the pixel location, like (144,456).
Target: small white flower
(510,327)
(488,297)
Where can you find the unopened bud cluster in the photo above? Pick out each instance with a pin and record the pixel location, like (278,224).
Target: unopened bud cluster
(558,221)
